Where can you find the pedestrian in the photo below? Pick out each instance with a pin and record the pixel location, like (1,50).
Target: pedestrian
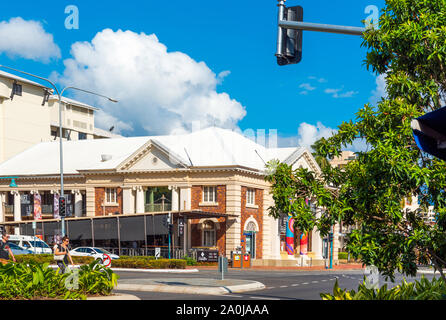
(62,254)
(5,250)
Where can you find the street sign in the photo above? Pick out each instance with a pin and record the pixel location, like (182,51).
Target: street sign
(207,255)
(34,225)
(157,253)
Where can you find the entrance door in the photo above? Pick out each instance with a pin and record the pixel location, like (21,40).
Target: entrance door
(251,244)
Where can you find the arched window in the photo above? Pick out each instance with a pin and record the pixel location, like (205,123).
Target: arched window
(209,234)
(251,226)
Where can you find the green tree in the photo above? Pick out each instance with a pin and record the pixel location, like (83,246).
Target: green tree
(409,48)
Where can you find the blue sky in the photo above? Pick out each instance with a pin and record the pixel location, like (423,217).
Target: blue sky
(234,39)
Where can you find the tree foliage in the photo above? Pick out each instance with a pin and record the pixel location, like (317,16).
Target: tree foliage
(409,48)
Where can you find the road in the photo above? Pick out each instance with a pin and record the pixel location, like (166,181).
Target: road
(279,285)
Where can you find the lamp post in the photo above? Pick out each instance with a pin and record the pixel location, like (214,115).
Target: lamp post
(59,94)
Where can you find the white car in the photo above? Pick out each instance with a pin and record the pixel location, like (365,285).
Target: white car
(97,253)
(34,244)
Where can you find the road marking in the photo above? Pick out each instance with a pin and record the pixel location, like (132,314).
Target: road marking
(324,280)
(284,286)
(235,296)
(264,298)
(295,285)
(305,283)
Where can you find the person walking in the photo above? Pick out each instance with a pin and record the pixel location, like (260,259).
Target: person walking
(5,250)
(62,254)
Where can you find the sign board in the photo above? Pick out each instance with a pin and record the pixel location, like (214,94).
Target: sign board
(157,253)
(283,220)
(207,255)
(34,225)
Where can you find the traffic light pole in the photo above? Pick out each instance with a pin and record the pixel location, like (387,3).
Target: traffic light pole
(289,45)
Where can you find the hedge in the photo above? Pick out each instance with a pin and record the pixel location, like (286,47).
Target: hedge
(49,258)
(146,263)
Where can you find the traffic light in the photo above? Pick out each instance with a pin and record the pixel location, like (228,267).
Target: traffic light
(170,228)
(291,40)
(62,206)
(330,237)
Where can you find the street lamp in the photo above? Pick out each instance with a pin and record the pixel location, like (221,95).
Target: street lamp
(60,122)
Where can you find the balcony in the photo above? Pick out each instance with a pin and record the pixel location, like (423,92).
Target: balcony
(158,207)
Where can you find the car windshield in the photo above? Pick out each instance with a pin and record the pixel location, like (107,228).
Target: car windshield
(14,246)
(100,250)
(38,244)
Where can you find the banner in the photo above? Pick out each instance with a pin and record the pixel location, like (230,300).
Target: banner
(37,207)
(56,206)
(290,236)
(304,244)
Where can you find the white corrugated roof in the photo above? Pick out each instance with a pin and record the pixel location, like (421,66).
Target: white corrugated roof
(211,147)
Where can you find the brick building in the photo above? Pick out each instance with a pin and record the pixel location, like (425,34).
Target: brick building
(120,191)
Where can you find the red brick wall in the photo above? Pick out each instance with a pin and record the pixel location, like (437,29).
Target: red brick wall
(99,200)
(257,214)
(196,235)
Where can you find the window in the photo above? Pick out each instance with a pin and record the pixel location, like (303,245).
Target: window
(209,194)
(251,196)
(208,234)
(110,195)
(17,89)
(82,136)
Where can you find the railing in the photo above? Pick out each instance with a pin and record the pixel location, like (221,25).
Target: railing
(158,207)
(135,252)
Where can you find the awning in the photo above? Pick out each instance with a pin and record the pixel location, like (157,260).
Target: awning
(198,214)
(429,131)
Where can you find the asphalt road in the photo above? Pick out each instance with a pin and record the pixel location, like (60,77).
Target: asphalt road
(279,285)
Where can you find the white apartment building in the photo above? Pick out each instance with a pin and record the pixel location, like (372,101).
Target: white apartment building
(29,114)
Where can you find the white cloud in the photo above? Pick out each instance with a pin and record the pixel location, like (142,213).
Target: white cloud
(337,93)
(159,92)
(307,87)
(380,91)
(27,39)
(308,134)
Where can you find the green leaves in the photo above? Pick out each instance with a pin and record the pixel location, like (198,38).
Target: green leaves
(418,290)
(34,280)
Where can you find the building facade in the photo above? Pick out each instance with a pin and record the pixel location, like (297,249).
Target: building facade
(120,192)
(29,114)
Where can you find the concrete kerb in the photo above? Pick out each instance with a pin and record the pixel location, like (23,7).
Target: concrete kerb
(190,289)
(120,296)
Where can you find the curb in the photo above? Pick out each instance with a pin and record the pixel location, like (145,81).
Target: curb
(119,296)
(192,289)
(140,270)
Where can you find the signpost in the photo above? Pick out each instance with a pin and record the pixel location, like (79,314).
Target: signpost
(222,266)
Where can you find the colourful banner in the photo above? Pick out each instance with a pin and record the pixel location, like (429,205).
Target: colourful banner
(37,207)
(304,244)
(290,236)
(56,206)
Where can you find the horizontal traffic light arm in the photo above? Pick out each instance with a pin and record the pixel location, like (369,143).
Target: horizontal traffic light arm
(308,26)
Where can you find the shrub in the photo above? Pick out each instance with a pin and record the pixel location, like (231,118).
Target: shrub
(149,263)
(418,290)
(343,255)
(34,280)
(49,258)
(190,261)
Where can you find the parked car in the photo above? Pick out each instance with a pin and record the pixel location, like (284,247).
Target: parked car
(16,250)
(34,244)
(97,253)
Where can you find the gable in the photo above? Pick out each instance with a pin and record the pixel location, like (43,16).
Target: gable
(304,159)
(151,157)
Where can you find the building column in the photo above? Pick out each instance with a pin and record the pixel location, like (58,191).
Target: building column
(128,201)
(77,203)
(17,209)
(175,197)
(2,207)
(140,200)
(185,194)
(316,246)
(233,207)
